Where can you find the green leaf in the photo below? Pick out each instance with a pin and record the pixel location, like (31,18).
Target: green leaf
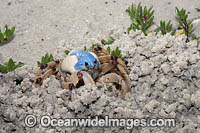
(194,37)
(116,52)
(150,15)
(94,46)
(177,11)
(141,12)
(7,33)
(20,64)
(173,32)
(181,25)
(6,30)
(184,23)
(108,50)
(130,28)
(67,52)
(149,10)
(157,30)
(45,59)
(139,19)
(85,48)
(12,30)
(110,88)
(10,65)
(110,41)
(51,58)
(149,22)
(42,60)
(46,55)
(1,37)
(165,28)
(38,63)
(145,11)
(107,42)
(142,18)
(3,69)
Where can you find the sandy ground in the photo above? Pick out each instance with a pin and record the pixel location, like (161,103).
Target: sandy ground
(41,24)
(165,73)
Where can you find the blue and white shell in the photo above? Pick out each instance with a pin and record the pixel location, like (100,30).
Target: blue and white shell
(77,59)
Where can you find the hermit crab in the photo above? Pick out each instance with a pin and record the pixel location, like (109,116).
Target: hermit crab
(85,67)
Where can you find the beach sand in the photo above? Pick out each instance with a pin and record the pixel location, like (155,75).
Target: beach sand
(164,70)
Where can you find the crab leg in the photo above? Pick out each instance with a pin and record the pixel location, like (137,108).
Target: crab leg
(48,73)
(38,80)
(58,76)
(52,63)
(81,75)
(115,78)
(38,73)
(104,58)
(71,87)
(74,80)
(98,48)
(107,58)
(120,61)
(67,85)
(124,75)
(107,67)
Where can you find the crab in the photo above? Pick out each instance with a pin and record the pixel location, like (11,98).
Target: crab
(85,67)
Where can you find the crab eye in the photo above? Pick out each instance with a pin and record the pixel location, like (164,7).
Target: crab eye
(80,83)
(71,86)
(86,64)
(95,63)
(79,75)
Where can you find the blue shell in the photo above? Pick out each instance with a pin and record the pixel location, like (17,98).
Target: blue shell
(83,57)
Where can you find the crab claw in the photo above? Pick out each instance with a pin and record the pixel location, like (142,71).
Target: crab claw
(81,76)
(71,87)
(115,78)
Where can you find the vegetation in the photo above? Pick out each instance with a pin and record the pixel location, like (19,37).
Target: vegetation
(109,41)
(67,52)
(10,67)
(142,18)
(185,24)
(165,28)
(94,46)
(110,88)
(6,34)
(45,59)
(116,52)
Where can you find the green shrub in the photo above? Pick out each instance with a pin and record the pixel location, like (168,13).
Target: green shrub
(10,67)
(6,34)
(142,18)
(165,28)
(45,59)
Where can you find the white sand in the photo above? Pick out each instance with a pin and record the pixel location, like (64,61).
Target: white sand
(73,22)
(165,80)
